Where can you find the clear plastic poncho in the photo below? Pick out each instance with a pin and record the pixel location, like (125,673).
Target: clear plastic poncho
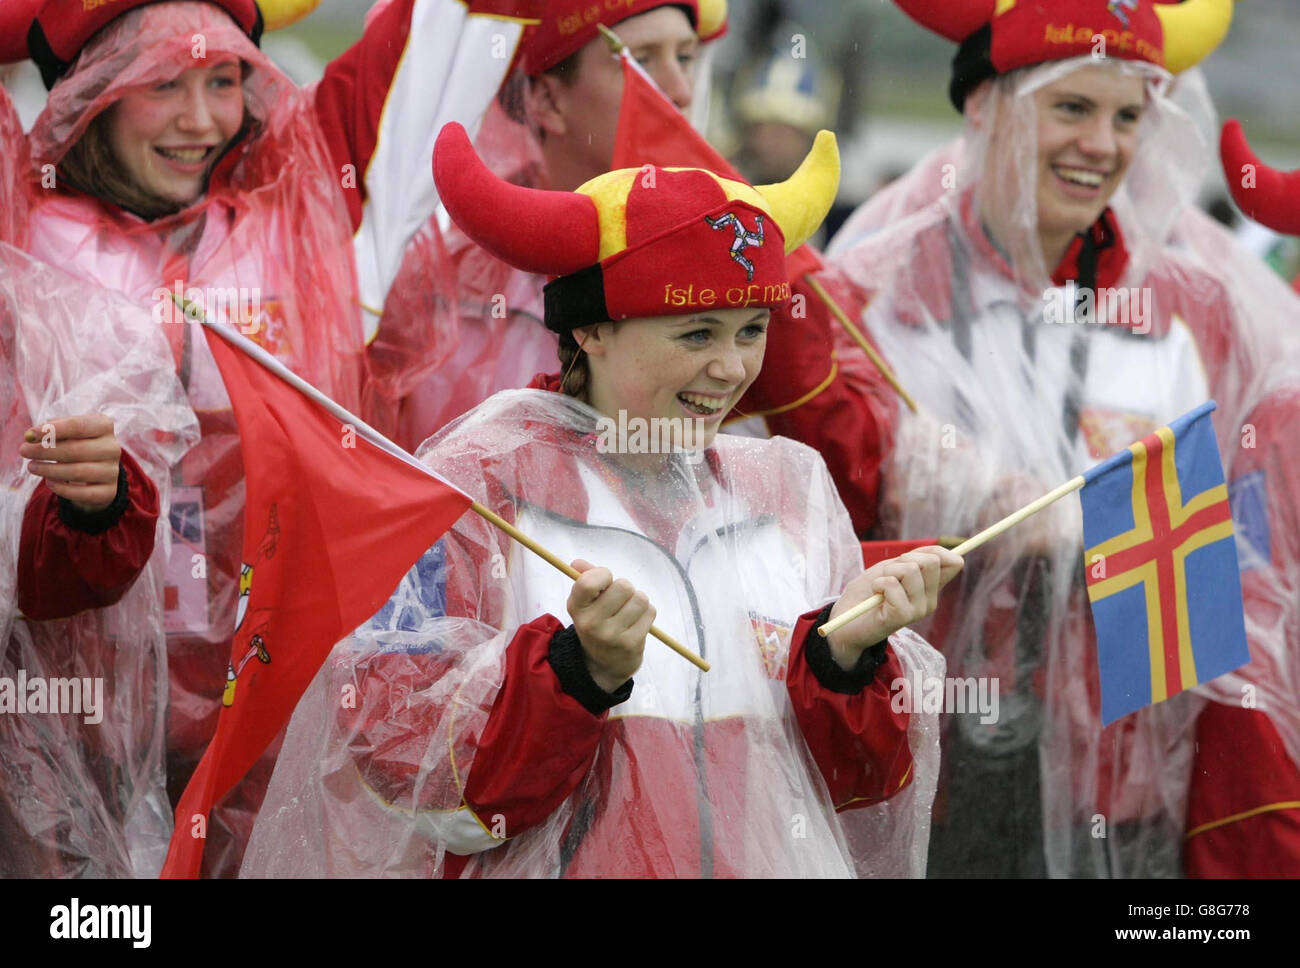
(84,795)
(269,249)
(272,221)
(697,773)
(1017,398)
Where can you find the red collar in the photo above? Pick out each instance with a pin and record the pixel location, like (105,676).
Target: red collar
(1112,257)
(933,248)
(545,381)
(1112,254)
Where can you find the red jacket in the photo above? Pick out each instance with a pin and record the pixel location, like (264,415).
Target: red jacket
(1243,810)
(540,743)
(549,728)
(69,562)
(292,241)
(469,717)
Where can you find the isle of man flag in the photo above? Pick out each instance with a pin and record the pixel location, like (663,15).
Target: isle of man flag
(334,516)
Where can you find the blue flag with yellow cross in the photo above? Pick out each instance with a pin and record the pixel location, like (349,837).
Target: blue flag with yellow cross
(1161,563)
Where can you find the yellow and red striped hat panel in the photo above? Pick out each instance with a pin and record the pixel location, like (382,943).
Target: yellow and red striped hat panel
(641,241)
(688,243)
(1174,35)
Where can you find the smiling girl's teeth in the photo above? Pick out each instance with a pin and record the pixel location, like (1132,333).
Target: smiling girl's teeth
(184,155)
(701,405)
(1080,176)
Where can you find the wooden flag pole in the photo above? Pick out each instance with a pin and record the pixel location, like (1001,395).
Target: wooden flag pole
(861,340)
(383,443)
(970,544)
(551,559)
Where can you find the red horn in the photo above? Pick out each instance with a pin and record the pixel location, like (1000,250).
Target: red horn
(1268,196)
(16,18)
(555,233)
(954,19)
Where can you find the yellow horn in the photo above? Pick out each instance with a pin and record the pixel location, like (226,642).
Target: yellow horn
(801,201)
(1192,30)
(713,14)
(282,13)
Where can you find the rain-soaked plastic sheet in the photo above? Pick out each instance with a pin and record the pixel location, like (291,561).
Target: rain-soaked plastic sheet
(84,791)
(1015,401)
(697,773)
(267,249)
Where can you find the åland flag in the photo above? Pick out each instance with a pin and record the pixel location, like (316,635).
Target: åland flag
(334,515)
(1161,562)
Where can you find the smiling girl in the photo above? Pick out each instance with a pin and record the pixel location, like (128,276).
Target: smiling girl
(152,152)
(174,158)
(1046,311)
(493,738)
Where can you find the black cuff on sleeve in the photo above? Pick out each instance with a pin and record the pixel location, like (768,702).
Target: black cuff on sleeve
(570,667)
(828,671)
(97,522)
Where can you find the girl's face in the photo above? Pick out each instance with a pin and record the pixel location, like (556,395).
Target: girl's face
(1087,134)
(692,368)
(169,137)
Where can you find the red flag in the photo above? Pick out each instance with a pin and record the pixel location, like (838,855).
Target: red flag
(334,516)
(651,131)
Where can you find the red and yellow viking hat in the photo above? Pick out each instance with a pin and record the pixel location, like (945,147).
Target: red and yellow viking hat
(1000,36)
(641,241)
(567,26)
(1269,196)
(53,32)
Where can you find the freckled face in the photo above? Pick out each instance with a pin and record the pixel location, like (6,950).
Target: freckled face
(168,137)
(688,367)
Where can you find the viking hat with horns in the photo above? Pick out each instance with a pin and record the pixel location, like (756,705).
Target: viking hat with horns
(641,241)
(1268,196)
(567,26)
(999,36)
(54,31)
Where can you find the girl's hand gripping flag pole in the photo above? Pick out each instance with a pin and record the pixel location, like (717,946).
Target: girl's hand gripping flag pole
(367,432)
(324,547)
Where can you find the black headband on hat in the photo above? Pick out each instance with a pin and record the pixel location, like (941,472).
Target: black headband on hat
(575,300)
(53,67)
(972,65)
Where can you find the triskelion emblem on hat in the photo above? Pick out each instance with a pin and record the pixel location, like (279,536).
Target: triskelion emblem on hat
(744,238)
(1120,9)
